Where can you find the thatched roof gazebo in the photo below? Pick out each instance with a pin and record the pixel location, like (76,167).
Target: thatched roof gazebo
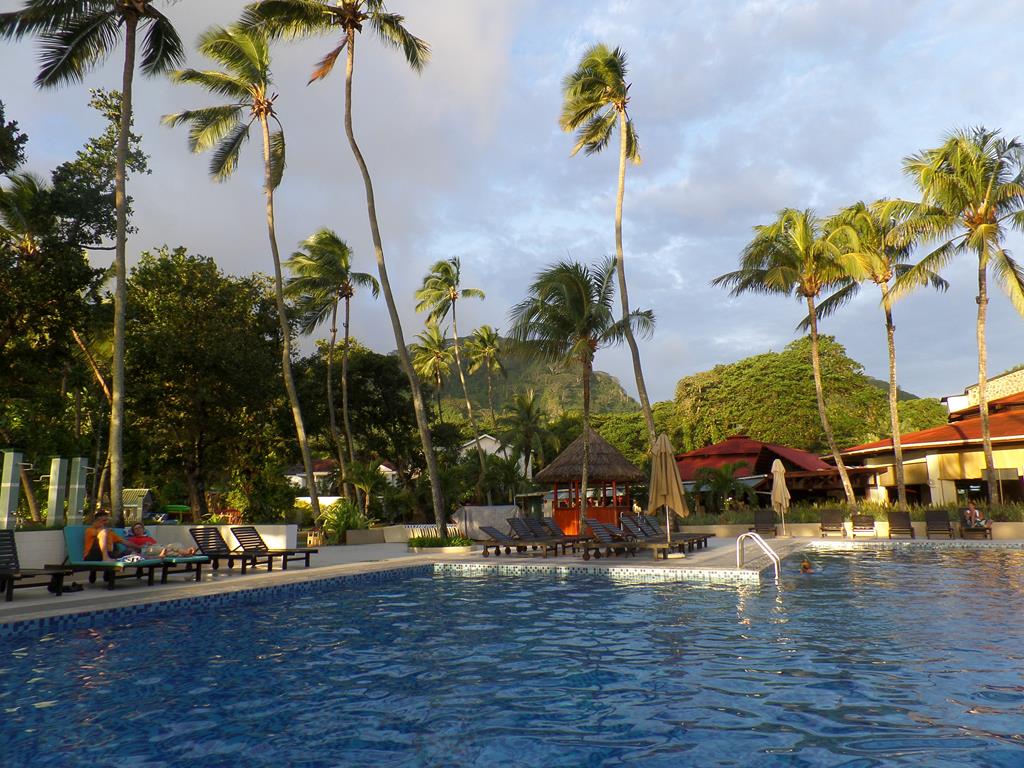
(609,477)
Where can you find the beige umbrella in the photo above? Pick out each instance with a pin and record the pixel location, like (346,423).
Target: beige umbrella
(780,493)
(666,489)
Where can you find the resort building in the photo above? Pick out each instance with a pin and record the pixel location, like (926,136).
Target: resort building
(946,464)
(492,446)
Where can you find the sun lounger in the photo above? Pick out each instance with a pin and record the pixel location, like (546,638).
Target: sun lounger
(541,530)
(651,524)
(634,528)
(863,525)
(522,531)
(250,541)
(213,546)
(899,524)
(111,570)
(764,522)
(499,540)
(11,570)
(612,540)
(556,530)
(832,522)
(936,521)
(968,531)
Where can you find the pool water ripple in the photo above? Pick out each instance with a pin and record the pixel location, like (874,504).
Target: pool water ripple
(879,658)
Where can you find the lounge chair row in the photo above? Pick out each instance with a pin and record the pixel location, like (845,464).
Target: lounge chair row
(937,523)
(251,551)
(542,536)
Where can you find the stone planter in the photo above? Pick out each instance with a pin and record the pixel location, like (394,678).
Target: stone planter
(441,550)
(364,536)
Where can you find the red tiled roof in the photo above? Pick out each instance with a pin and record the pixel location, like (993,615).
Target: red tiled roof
(1002,403)
(757,455)
(1003,426)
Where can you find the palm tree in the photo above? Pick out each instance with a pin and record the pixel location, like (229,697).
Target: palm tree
(75,37)
(874,227)
(524,428)
(322,278)
(305,18)
(596,96)
(432,358)
(484,350)
(719,484)
(972,192)
(245,79)
(366,476)
(438,296)
(566,318)
(794,257)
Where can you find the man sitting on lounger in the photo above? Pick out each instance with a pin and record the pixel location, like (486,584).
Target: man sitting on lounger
(150,548)
(101,543)
(975,518)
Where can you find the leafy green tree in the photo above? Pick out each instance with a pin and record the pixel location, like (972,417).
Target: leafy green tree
(595,100)
(432,358)
(716,485)
(245,79)
(793,256)
(196,371)
(874,228)
(438,296)
(566,318)
(322,278)
(627,431)
(484,350)
(972,194)
(523,426)
(75,37)
(307,18)
(12,144)
(922,413)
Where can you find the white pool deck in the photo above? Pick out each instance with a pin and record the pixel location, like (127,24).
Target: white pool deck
(719,558)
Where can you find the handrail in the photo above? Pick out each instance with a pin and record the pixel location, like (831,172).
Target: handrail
(756,538)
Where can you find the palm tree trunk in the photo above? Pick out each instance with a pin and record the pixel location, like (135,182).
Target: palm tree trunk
(116,446)
(332,417)
(490,399)
(469,405)
(437,379)
(346,423)
(587,368)
(994,489)
(620,269)
(286,336)
(894,413)
(396,324)
(819,390)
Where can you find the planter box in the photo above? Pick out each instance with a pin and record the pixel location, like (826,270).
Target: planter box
(365,536)
(394,534)
(442,550)
(39,548)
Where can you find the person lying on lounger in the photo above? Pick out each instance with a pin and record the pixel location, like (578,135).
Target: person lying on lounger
(148,545)
(101,543)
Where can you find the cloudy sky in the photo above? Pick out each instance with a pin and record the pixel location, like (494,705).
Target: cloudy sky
(742,107)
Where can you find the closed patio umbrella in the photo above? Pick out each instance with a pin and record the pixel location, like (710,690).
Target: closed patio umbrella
(780,493)
(666,489)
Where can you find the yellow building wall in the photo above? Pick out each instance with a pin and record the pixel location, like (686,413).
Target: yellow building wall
(939,468)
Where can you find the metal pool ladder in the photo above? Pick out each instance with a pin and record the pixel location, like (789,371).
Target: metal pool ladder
(756,538)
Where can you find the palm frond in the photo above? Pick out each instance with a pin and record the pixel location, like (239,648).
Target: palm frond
(277,158)
(39,17)
(225,157)
(595,135)
(831,304)
(162,49)
(391,30)
(242,52)
(1010,276)
(208,125)
(326,64)
(69,52)
(220,83)
(290,19)
(923,273)
(632,144)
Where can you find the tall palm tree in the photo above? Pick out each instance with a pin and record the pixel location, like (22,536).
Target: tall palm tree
(440,292)
(432,358)
(524,427)
(972,193)
(322,278)
(793,256)
(484,350)
(874,227)
(306,18)
(75,37)
(566,318)
(596,97)
(245,79)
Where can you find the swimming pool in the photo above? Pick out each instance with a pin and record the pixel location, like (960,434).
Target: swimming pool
(879,658)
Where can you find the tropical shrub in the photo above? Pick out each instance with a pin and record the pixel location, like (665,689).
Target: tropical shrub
(341,516)
(437,541)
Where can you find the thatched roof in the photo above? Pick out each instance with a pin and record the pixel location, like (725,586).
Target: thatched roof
(606,464)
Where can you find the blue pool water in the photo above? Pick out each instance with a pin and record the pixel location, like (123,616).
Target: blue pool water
(879,658)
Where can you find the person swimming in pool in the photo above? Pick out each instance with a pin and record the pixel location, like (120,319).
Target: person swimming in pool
(806,567)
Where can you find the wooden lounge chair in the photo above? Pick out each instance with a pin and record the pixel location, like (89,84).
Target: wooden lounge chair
(249,540)
(556,530)
(612,540)
(522,531)
(541,530)
(111,570)
(936,521)
(693,541)
(968,531)
(632,526)
(832,522)
(499,540)
(213,546)
(899,524)
(764,522)
(863,525)
(11,570)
